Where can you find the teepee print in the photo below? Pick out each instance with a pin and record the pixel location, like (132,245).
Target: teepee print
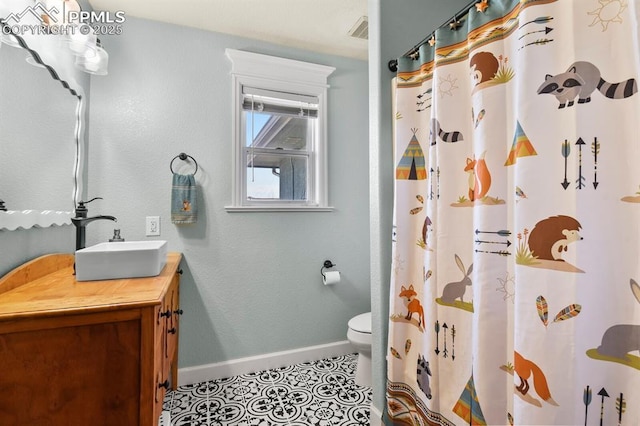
(412,164)
(468,406)
(521,147)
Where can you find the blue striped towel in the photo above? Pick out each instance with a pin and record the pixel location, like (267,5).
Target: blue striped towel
(183,199)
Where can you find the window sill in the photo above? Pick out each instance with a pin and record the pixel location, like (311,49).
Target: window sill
(259,209)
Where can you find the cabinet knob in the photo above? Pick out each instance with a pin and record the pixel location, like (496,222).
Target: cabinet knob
(167,313)
(164,384)
(180,271)
(178,312)
(172,330)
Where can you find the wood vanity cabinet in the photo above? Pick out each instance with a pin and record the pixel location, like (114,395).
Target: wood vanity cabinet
(86,353)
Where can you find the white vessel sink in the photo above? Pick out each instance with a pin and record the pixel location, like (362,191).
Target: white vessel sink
(127,259)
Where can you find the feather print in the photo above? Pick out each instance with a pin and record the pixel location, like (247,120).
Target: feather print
(395,353)
(635,289)
(543,310)
(520,193)
(479,118)
(407,346)
(568,312)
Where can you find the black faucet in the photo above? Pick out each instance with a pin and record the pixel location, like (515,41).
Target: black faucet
(81,221)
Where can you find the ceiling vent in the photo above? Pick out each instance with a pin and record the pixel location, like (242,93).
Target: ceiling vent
(361,29)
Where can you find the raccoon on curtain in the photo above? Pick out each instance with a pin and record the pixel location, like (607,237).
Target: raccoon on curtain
(514,292)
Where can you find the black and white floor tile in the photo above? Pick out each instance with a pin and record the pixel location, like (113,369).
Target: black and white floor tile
(319,393)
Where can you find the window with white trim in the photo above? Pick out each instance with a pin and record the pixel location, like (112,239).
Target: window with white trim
(279,133)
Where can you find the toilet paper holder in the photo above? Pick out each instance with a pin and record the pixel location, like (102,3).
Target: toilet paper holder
(326,265)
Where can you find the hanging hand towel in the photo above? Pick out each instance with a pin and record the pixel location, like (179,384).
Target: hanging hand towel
(183,199)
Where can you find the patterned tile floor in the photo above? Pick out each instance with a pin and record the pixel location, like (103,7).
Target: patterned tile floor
(313,393)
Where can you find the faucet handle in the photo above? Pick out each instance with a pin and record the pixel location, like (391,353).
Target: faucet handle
(81,209)
(82,203)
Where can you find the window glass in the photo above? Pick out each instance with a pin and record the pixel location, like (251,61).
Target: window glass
(279,136)
(280,128)
(276,177)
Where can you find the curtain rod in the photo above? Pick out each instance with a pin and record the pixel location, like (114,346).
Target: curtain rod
(393,64)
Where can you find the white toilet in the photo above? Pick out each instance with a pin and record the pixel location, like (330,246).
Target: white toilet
(359,335)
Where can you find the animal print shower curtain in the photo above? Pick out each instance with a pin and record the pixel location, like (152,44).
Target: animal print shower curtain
(514,292)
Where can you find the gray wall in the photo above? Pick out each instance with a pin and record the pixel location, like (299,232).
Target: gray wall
(394,28)
(252,282)
(17,247)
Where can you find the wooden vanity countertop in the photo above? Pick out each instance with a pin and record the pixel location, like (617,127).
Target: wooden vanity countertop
(46,286)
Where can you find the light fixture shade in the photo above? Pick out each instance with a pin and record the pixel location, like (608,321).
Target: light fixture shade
(96,64)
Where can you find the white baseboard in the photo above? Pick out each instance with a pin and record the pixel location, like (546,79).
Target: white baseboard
(375,417)
(235,367)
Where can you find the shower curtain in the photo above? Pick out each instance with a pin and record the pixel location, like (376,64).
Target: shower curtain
(515,295)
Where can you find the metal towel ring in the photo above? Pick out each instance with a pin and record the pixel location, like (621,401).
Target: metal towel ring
(183,157)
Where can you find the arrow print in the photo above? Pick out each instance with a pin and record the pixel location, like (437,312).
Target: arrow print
(586,398)
(431,183)
(566,150)
(595,148)
(437,334)
(508,243)
(453,342)
(445,351)
(580,180)
(603,393)
(502,232)
(546,30)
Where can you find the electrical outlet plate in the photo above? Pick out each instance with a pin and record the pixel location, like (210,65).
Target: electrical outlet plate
(153,226)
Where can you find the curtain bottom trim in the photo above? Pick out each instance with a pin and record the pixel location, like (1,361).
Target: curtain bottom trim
(405,408)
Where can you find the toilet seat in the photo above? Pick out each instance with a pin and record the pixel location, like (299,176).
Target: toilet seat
(361,323)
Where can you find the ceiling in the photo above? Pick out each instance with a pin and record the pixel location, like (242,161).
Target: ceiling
(316,25)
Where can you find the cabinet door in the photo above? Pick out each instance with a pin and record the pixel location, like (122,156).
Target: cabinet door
(171,355)
(160,343)
(166,344)
(173,299)
(71,375)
